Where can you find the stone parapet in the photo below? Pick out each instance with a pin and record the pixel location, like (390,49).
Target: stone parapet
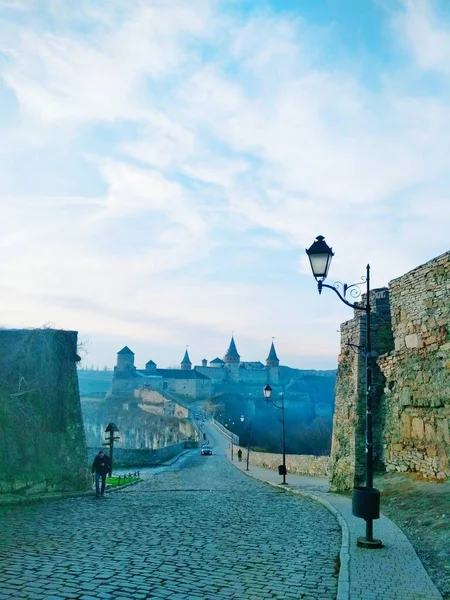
(42,442)
(315,466)
(417,372)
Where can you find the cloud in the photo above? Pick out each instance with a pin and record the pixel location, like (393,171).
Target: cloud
(168,163)
(425,34)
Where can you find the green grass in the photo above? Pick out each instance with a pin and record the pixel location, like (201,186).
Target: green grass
(114,481)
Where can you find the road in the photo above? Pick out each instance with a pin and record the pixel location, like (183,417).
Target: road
(197,530)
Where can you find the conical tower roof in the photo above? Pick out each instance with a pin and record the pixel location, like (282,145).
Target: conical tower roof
(186,360)
(232,350)
(125,350)
(272,354)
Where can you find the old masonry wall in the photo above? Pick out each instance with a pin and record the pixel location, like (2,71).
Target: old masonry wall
(42,443)
(411,380)
(417,371)
(347,459)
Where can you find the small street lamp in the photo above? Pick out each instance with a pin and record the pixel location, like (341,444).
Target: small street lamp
(267,390)
(365,500)
(228,423)
(111,429)
(248,440)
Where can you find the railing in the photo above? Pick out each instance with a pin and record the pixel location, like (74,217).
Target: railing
(122,478)
(226,432)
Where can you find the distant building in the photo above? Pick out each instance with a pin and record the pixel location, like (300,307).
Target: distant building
(198,382)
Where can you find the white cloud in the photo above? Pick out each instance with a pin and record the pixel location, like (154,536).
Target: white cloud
(215,139)
(425,35)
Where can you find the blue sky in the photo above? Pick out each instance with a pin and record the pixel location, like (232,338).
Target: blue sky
(164,164)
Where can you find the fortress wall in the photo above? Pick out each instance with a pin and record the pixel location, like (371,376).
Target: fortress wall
(42,442)
(302,464)
(203,388)
(254,377)
(417,371)
(347,460)
(133,458)
(215,373)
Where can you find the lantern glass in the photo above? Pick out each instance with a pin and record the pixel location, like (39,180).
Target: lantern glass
(320,255)
(267,391)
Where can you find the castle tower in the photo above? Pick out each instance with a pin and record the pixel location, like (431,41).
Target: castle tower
(150,366)
(273,365)
(125,361)
(232,360)
(186,362)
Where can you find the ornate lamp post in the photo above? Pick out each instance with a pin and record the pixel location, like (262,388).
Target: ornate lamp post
(111,429)
(229,423)
(267,390)
(365,499)
(248,440)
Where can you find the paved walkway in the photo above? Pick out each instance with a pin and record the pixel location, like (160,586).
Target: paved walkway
(195,530)
(391,573)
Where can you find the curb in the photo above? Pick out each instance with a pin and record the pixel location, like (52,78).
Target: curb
(343,591)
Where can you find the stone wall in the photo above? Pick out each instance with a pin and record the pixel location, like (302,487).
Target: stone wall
(42,442)
(127,458)
(417,392)
(347,463)
(316,466)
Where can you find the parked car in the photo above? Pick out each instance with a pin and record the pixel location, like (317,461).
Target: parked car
(206,450)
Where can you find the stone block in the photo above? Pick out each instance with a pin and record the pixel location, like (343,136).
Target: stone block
(442,431)
(405,396)
(405,426)
(397,447)
(399,343)
(413,341)
(430,432)
(417,428)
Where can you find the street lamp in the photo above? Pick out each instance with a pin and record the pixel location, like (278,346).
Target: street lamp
(365,499)
(229,421)
(267,390)
(248,439)
(111,429)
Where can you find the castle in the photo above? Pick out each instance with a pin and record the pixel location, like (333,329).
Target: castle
(196,382)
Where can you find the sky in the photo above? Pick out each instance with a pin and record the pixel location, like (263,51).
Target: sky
(164,164)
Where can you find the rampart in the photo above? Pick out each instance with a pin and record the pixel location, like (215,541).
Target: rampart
(347,461)
(42,443)
(316,466)
(417,371)
(411,380)
(127,458)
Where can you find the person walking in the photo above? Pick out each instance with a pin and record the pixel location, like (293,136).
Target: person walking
(240,455)
(101,467)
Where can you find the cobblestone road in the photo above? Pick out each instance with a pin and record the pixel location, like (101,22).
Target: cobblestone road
(200,530)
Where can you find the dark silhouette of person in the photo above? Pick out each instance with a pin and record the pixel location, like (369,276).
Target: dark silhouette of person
(239,455)
(101,467)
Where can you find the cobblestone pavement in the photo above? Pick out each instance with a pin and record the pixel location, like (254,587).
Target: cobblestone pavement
(200,530)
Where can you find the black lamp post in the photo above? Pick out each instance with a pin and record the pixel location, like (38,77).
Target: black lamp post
(231,438)
(111,429)
(365,500)
(248,440)
(267,390)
